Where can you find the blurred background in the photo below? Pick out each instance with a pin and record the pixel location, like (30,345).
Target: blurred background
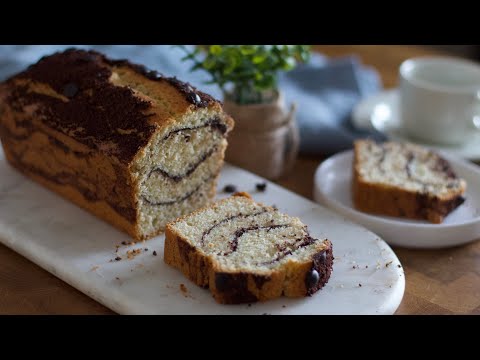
(468,51)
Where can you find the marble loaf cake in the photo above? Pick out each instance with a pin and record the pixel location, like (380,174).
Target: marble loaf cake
(404,180)
(130,145)
(244,251)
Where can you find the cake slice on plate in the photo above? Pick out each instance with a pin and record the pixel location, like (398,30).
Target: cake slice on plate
(244,251)
(404,180)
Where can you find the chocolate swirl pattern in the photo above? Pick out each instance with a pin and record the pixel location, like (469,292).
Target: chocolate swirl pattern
(244,252)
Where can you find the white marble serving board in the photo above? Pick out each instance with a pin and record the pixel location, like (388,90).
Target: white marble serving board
(77,247)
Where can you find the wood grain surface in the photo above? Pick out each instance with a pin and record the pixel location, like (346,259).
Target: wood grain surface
(437,281)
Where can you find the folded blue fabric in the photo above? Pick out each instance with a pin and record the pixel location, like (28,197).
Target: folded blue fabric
(324,90)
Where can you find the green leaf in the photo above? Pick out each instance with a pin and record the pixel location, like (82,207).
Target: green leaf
(215,49)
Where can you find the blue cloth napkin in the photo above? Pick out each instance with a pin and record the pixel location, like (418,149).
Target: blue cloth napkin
(324,90)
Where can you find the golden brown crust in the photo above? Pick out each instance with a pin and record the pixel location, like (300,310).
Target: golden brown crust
(101,209)
(394,201)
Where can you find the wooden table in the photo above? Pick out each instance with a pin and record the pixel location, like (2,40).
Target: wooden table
(438,281)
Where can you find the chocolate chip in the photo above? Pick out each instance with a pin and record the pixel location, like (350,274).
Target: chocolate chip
(154,253)
(230,188)
(70,90)
(313,278)
(261,186)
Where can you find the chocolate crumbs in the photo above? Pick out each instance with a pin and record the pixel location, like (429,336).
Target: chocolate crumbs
(261,186)
(154,253)
(230,188)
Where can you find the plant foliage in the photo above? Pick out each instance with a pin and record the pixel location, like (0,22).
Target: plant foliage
(246,73)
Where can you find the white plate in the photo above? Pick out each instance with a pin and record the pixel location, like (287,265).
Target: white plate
(381,113)
(75,246)
(332,188)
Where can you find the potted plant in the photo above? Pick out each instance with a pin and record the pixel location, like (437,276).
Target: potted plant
(265,139)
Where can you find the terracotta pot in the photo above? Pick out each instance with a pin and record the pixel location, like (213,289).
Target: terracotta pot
(265,139)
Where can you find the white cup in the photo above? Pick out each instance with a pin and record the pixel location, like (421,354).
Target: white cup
(440,99)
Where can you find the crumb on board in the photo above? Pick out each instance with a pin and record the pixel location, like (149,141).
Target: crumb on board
(183,288)
(117,278)
(283,306)
(154,253)
(229,188)
(146,249)
(366,266)
(261,186)
(118,258)
(359,285)
(249,305)
(132,253)
(124,243)
(389,263)
(95,268)
(399,266)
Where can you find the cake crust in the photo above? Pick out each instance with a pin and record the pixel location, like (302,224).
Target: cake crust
(293,279)
(81,125)
(387,199)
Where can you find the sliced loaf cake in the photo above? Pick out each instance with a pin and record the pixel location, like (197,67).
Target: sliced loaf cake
(134,147)
(244,251)
(404,180)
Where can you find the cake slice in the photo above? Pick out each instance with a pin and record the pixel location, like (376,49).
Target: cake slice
(245,252)
(404,180)
(134,147)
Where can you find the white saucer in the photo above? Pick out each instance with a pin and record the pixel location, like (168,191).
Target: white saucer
(332,189)
(381,113)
